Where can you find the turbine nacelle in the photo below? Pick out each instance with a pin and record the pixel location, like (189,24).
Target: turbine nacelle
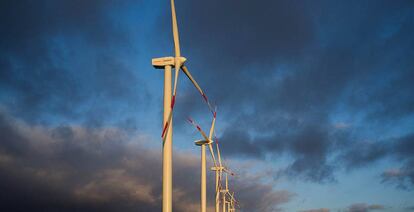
(202,142)
(161,62)
(218,168)
(222,168)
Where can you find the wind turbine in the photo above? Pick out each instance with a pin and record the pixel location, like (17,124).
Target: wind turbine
(233,201)
(167,63)
(225,191)
(219,169)
(203,143)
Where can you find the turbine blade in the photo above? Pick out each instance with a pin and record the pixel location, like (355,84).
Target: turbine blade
(177,62)
(218,195)
(218,152)
(192,122)
(209,137)
(167,123)
(228,172)
(227,182)
(165,128)
(229,193)
(213,123)
(212,154)
(175,31)
(190,77)
(177,65)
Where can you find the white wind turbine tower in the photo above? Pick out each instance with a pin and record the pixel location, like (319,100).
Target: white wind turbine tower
(203,143)
(166,63)
(224,193)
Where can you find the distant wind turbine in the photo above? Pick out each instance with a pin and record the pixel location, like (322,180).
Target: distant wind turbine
(233,202)
(219,169)
(203,143)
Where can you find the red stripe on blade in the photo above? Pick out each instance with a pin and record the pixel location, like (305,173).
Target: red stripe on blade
(172,102)
(165,129)
(205,97)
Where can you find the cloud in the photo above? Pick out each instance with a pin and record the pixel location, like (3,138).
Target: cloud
(363,207)
(246,194)
(365,153)
(237,142)
(65,60)
(71,167)
(402,177)
(317,210)
(309,146)
(410,208)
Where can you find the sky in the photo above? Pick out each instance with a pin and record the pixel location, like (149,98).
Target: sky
(315,103)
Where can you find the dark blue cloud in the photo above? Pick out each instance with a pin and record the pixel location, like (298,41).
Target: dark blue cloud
(73,168)
(64,60)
